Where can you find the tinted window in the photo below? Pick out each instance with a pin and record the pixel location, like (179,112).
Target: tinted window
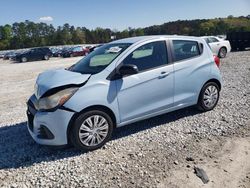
(148,56)
(75,49)
(206,39)
(184,49)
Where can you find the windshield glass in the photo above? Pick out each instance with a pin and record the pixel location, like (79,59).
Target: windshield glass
(98,60)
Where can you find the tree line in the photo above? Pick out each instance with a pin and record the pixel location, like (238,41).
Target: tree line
(29,34)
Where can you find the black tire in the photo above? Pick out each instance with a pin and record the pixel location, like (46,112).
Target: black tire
(74,132)
(46,57)
(222,52)
(201,103)
(24,59)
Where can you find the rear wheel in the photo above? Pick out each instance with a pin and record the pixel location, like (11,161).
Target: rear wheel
(209,96)
(222,52)
(91,130)
(46,57)
(24,59)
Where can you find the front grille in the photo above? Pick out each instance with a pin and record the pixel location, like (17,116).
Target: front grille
(30,120)
(31,111)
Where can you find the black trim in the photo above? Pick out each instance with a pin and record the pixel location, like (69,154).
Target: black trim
(45,133)
(201,48)
(66,108)
(30,117)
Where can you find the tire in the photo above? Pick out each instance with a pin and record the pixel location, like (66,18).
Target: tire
(71,55)
(24,59)
(46,57)
(209,97)
(82,126)
(222,52)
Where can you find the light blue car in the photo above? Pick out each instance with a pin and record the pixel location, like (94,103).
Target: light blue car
(120,83)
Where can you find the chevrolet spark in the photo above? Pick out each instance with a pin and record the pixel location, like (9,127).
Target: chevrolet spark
(120,83)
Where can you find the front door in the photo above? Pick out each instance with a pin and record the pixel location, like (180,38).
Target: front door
(151,90)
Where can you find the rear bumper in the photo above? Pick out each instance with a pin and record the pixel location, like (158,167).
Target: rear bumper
(48,128)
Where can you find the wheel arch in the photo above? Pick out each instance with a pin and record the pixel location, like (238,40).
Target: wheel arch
(210,80)
(215,81)
(94,107)
(221,48)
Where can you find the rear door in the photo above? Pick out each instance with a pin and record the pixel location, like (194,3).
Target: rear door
(191,67)
(151,90)
(32,54)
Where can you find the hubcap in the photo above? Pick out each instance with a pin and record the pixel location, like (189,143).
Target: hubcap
(93,130)
(210,96)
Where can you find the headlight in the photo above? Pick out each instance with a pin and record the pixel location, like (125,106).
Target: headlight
(57,99)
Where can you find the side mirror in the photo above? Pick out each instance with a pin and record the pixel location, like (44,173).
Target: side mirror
(128,69)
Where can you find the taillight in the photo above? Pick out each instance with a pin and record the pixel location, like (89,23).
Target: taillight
(217,60)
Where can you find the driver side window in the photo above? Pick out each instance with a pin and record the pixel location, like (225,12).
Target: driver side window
(148,56)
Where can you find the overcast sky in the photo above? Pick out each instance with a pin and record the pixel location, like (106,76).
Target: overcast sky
(117,14)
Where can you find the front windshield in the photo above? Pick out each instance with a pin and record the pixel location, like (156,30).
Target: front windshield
(98,60)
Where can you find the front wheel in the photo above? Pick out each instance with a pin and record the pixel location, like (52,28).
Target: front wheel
(91,130)
(209,96)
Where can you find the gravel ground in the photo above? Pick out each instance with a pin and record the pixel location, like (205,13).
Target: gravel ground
(143,154)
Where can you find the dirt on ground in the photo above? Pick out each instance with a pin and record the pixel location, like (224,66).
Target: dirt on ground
(158,152)
(228,167)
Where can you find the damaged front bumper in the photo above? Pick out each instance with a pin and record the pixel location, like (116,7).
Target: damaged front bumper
(48,128)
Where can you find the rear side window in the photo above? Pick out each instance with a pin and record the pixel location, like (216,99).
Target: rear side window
(148,56)
(184,49)
(212,39)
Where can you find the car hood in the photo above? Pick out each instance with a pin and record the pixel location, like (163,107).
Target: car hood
(58,78)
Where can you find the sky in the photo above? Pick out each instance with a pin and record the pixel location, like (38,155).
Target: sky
(117,14)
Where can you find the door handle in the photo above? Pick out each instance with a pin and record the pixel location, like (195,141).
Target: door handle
(163,75)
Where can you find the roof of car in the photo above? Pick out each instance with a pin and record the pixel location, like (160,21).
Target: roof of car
(209,36)
(145,38)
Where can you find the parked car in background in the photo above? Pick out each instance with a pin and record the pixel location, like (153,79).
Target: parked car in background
(93,48)
(34,54)
(2,54)
(122,82)
(239,40)
(219,47)
(56,52)
(9,55)
(76,51)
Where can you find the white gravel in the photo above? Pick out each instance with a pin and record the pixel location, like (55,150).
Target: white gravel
(139,155)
